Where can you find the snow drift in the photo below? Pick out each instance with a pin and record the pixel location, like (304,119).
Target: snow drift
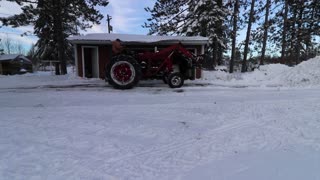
(305,74)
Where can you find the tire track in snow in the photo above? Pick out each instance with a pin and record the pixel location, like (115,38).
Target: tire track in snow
(163,155)
(178,146)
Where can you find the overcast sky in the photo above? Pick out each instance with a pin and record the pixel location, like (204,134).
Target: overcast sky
(127,17)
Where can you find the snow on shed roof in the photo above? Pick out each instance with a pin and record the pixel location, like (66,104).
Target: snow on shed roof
(105,38)
(10,57)
(7,57)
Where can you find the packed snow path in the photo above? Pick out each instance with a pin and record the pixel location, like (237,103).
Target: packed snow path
(150,133)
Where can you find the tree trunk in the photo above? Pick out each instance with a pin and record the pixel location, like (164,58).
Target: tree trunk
(284,31)
(299,33)
(219,33)
(246,47)
(292,30)
(60,38)
(234,34)
(214,54)
(57,68)
(265,32)
(314,7)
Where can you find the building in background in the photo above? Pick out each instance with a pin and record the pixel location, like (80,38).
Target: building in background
(14,64)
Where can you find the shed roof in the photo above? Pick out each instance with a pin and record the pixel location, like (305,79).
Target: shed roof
(10,57)
(105,38)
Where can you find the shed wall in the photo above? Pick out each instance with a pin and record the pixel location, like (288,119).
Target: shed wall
(104,52)
(80,65)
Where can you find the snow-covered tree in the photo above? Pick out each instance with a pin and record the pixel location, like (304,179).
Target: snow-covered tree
(54,21)
(191,18)
(295,28)
(235,5)
(265,30)
(246,46)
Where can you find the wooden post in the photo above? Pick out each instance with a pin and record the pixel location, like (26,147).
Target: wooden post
(108,20)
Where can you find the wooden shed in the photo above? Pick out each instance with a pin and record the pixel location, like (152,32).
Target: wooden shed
(14,64)
(93,51)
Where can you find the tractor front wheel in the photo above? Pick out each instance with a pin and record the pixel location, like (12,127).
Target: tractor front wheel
(175,80)
(123,72)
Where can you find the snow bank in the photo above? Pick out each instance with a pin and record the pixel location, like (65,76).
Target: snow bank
(43,78)
(305,74)
(265,73)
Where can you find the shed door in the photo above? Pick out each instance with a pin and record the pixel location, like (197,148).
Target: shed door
(91,62)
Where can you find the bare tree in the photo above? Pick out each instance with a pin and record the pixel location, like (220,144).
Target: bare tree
(1,48)
(8,45)
(19,48)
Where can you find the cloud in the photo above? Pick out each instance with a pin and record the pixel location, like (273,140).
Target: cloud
(128,16)
(96,28)
(14,34)
(21,39)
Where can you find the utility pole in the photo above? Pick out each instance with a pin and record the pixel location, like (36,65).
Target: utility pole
(109,26)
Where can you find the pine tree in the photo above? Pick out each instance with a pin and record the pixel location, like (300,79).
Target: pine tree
(54,21)
(235,18)
(210,22)
(191,18)
(295,28)
(312,28)
(265,31)
(246,46)
(301,28)
(167,15)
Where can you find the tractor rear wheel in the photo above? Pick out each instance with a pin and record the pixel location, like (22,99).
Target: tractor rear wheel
(123,72)
(175,80)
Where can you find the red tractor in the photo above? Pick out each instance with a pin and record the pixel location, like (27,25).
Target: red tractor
(173,65)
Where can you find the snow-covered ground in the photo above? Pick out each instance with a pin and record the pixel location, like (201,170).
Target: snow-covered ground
(259,125)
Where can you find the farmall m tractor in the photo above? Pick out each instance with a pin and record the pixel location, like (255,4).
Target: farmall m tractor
(173,65)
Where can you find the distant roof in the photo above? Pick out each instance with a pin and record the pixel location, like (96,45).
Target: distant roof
(10,57)
(6,57)
(105,38)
